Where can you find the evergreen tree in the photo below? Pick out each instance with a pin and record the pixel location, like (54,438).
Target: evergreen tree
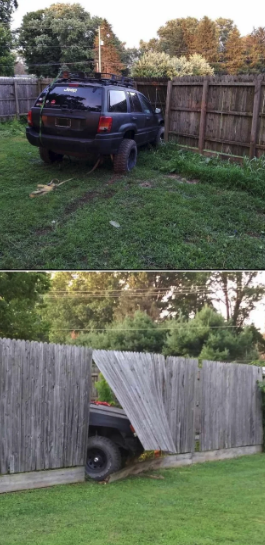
(111,50)
(206,40)
(234,55)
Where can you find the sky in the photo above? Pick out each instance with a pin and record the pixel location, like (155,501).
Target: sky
(139,19)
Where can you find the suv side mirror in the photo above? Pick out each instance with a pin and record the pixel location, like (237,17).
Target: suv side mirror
(157,111)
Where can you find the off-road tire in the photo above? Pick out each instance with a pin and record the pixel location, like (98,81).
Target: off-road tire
(159,138)
(110,454)
(125,159)
(49,156)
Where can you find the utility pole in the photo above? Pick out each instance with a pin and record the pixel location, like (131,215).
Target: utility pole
(99,50)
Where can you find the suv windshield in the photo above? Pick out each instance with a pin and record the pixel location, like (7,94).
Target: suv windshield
(73,97)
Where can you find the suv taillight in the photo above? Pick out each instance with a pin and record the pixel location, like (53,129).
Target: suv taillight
(29,118)
(105,124)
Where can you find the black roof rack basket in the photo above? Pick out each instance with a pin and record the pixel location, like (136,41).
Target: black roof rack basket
(105,78)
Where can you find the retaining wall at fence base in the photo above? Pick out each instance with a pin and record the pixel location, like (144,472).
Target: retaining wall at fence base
(41,479)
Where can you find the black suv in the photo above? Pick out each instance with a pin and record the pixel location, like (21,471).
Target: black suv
(111,441)
(79,115)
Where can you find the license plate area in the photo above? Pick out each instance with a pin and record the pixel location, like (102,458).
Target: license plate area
(62,122)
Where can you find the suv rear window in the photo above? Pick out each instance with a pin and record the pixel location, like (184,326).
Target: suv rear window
(117,101)
(74,98)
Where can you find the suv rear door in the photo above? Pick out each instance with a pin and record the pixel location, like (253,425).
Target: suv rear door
(151,123)
(70,109)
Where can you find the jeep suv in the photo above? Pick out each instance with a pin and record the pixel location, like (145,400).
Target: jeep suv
(111,441)
(79,115)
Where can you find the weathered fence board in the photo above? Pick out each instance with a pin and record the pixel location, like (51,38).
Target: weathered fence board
(230,406)
(17,95)
(172,402)
(134,378)
(44,405)
(218,115)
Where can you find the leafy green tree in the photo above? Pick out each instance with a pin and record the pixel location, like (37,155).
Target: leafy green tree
(138,334)
(209,336)
(175,38)
(154,64)
(80,301)
(6,10)
(7,58)
(59,34)
(104,391)
(21,305)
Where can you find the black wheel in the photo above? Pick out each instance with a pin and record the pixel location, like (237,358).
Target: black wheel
(125,159)
(49,156)
(159,138)
(103,458)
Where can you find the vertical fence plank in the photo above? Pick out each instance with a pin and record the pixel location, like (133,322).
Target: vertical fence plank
(16,99)
(255,118)
(167,112)
(203,115)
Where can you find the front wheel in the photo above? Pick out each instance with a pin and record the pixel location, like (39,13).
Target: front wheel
(125,159)
(49,156)
(159,138)
(103,458)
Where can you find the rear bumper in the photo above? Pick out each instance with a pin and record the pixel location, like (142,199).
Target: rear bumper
(103,144)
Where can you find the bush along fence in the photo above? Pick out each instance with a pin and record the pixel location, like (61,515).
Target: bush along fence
(217,115)
(192,413)
(44,412)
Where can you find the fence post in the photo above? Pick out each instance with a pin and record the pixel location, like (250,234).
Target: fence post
(197,409)
(16,99)
(203,115)
(167,112)
(255,118)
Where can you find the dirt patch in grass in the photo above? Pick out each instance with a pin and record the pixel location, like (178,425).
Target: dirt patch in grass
(44,231)
(87,197)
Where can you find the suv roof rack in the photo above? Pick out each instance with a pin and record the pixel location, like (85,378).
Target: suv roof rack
(113,79)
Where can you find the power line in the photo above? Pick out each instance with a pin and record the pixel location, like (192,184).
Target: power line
(149,328)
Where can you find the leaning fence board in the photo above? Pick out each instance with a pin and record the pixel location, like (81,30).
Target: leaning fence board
(132,377)
(35,398)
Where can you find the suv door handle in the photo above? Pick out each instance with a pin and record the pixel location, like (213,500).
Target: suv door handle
(148,117)
(134,118)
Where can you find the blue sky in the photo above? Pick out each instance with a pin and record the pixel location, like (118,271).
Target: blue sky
(136,20)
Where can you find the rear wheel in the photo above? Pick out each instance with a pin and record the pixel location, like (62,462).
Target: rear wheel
(49,156)
(125,159)
(103,458)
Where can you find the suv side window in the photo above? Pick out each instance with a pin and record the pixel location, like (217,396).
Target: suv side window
(135,103)
(147,108)
(117,101)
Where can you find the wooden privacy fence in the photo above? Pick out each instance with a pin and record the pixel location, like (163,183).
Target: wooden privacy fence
(17,95)
(44,405)
(171,402)
(217,115)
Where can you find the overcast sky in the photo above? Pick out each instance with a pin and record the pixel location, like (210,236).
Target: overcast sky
(139,19)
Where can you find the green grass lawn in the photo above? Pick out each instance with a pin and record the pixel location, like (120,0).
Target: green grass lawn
(205,504)
(165,222)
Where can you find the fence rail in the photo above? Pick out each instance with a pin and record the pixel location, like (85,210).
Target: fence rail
(44,405)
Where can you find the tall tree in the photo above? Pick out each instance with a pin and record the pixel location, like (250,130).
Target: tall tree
(80,301)
(60,34)
(111,50)
(239,292)
(234,58)
(7,58)
(6,10)
(206,40)
(224,28)
(255,50)
(21,305)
